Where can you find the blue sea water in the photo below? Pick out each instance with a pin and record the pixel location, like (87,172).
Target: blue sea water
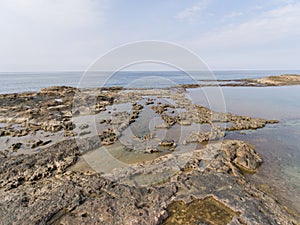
(34,81)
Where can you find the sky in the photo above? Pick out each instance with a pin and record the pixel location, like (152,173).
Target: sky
(69,35)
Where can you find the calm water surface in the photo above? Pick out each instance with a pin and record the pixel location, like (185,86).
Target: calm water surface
(34,81)
(279,144)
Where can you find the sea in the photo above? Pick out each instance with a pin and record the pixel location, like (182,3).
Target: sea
(15,82)
(279,144)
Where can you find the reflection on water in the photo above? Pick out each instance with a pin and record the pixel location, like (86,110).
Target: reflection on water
(279,144)
(282,103)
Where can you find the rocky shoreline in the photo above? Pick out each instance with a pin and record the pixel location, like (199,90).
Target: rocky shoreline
(271,81)
(176,166)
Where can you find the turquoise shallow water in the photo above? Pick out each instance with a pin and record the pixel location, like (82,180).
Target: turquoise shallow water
(279,144)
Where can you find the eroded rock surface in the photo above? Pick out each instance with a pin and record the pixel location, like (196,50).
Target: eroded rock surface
(192,173)
(40,190)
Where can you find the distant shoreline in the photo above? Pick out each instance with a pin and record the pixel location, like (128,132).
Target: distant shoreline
(270,81)
(33,82)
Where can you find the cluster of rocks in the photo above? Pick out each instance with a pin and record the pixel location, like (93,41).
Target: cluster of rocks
(169,120)
(15,146)
(246,123)
(176,188)
(52,109)
(136,109)
(49,110)
(108,136)
(216,133)
(10,131)
(229,156)
(44,189)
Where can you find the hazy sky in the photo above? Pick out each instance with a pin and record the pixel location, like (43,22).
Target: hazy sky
(39,35)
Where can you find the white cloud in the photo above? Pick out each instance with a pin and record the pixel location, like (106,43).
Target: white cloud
(190,13)
(269,41)
(49,33)
(63,13)
(271,26)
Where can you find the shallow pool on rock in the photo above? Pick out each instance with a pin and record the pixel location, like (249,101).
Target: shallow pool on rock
(199,211)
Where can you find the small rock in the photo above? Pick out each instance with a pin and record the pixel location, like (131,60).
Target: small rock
(83,126)
(16,146)
(168,143)
(85,133)
(151,150)
(149,103)
(40,143)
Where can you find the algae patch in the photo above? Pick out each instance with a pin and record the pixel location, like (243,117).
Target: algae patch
(207,210)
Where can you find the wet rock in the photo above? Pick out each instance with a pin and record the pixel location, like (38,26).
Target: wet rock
(199,211)
(243,156)
(147,136)
(201,137)
(108,136)
(99,107)
(68,125)
(107,121)
(104,98)
(168,143)
(102,121)
(70,134)
(137,107)
(169,120)
(160,108)
(151,150)
(149,102)
(83,126)
(85,133)
(16,146)
(39,143)
(246,123)
(134,115)
(3,155)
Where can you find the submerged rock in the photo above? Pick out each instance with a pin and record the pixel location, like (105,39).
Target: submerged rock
(199,211)
(15,146)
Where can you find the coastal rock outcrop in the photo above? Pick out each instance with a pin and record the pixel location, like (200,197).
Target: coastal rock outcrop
(55,184)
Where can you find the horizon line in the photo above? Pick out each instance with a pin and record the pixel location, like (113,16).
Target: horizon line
(82,71)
